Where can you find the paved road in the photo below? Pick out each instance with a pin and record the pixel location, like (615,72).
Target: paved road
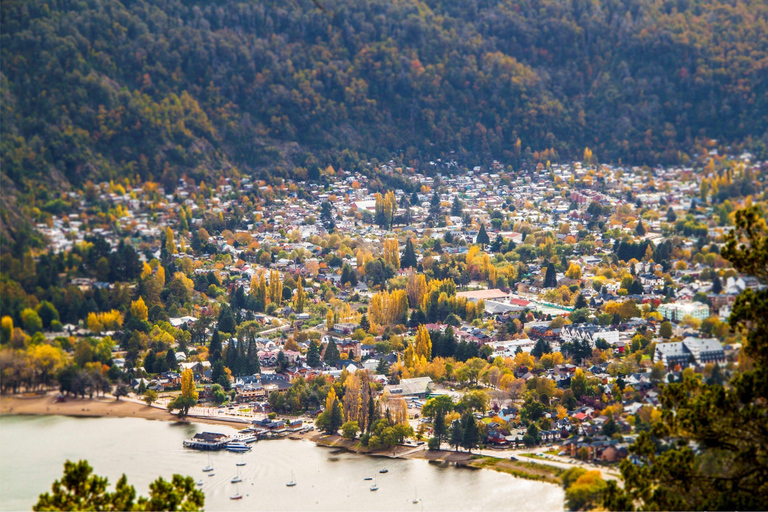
(547,460)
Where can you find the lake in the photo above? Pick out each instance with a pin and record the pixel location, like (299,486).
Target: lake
(33,450)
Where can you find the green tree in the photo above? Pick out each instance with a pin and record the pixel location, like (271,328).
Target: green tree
(729,469)
(550,277)
(349,429)
(80,489)
(150,396)
(331,355)
(437,408)
(482,236)
(665,329)
(457,434)
(471,433)
(313,355)
(579,384)
(409,255)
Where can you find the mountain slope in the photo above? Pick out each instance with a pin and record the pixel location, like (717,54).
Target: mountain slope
(103,89)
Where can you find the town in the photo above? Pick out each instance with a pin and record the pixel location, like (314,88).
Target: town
(478,309)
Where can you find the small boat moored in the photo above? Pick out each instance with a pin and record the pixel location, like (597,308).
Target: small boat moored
(292,483)
(385,470)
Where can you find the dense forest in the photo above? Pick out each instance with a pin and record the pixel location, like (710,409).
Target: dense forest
(96,89)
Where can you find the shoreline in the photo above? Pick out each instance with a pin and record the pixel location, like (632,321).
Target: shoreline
(99,407)
(108,407)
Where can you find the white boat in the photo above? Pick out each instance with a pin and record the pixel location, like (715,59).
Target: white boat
(385,470)
(368,478)
(292,483)
(199,483)
(416,497)
(241,462)
(237,495)
(237,447)
(236,478)
(209,467)
(374,487)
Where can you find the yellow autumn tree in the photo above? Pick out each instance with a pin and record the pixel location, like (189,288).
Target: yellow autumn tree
(329,319)
(573,272)
(301,298)
(416,288)
(389,308)
(423,343)
(392,252)
(275,287)
(138,309)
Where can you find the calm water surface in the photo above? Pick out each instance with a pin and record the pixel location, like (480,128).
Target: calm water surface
(33,451)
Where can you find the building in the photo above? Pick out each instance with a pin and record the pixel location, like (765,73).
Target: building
(419,387)
(676,311)
(690,350)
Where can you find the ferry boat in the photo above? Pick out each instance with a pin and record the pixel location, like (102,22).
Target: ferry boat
(235,446)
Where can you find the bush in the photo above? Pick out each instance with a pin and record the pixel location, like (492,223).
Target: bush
(433,444)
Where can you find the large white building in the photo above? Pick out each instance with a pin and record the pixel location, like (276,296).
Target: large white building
(690,350)
(676,311)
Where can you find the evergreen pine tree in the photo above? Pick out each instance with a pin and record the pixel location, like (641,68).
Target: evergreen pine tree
(640,229)
(550,278)
(331,353)
(448,342)
(471,434)
(482,236)
(409,256)
(214,348)
(313,355)
(382,368)
(457,435)
(457,209)
(717,286)
(364,323)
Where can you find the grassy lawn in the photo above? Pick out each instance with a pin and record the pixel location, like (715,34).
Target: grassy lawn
(520,469)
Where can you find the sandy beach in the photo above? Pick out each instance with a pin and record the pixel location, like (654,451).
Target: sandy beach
(97,407)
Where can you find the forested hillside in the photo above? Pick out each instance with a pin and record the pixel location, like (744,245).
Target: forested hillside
(98,89)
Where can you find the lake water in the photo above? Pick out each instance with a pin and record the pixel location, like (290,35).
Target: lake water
(33,450)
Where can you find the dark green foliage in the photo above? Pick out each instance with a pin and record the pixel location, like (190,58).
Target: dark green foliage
(226,320)
(331,355)
(482,236)
(313,355)
(550,277)
(470,432)
(542,347)
(216,84)
(80,489)
(729,468)
(409,256)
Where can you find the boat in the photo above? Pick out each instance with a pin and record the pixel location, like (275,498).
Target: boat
(209,467)
(374,487)
(237,495)
(211,474)
(416,497)
(237,447)
(385,470)
(241,462)
(199,483)
(292,483)
(237,478)
(368,478)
